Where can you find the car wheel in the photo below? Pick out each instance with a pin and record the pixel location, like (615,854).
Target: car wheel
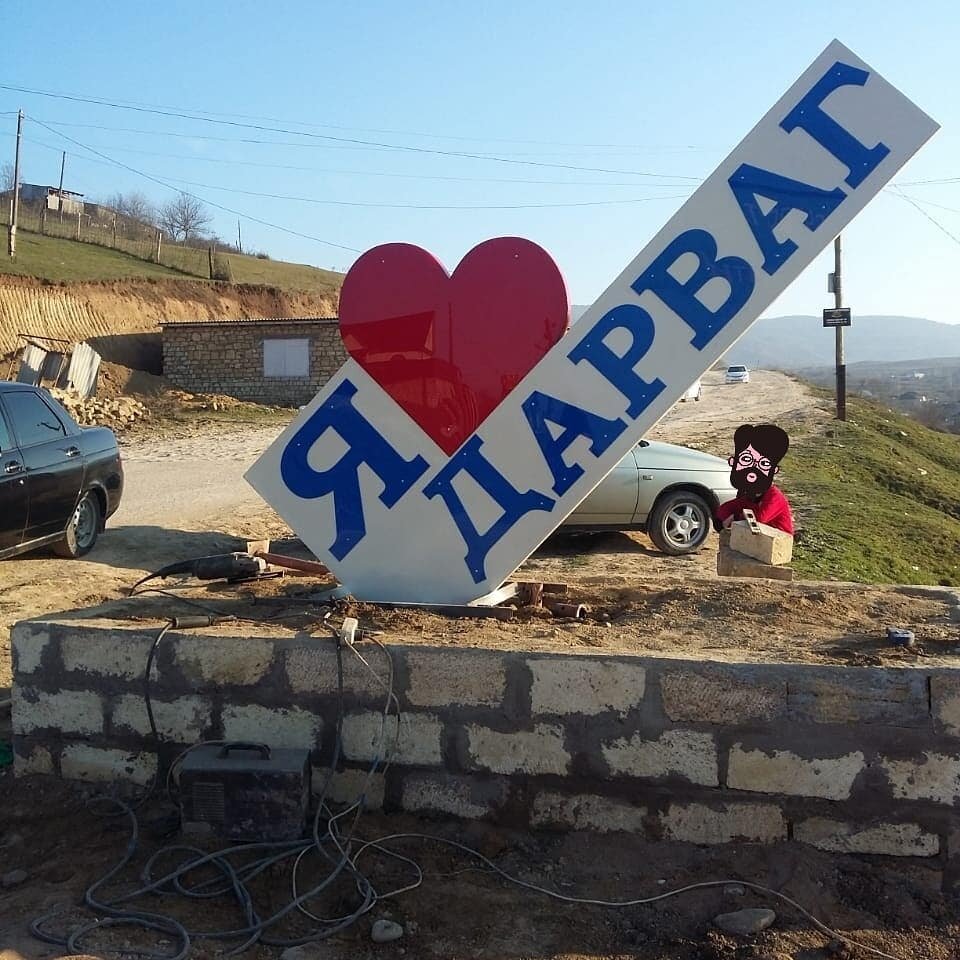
(679,523)
(83,529)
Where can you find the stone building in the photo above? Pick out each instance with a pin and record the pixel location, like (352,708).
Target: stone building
(281,362)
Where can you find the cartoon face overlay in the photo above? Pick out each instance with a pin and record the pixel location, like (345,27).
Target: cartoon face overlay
(758,451)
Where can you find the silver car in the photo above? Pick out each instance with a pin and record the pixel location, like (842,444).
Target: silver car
(666,490)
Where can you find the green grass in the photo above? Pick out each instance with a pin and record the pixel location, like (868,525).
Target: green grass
(878,501)
(286,276)
(51,259)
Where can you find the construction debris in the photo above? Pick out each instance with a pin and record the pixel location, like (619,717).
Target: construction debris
(117,413)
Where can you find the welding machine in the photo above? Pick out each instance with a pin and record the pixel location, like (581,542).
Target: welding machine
(245,791)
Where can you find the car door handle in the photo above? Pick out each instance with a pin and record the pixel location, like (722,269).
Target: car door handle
(13,466)
(72,451)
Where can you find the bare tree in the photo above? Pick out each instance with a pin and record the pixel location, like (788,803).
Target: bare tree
(133,206)
(183,218)
(6,177)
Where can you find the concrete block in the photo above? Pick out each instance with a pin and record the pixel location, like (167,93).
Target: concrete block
(933,776)
(730,563)
(106,653)
(78,761)
(347,786)
(39,761)
(675,753)
(721,696)
(945,701)
(240,661)
(276,726)
(470,678)
(589,685)
(313,669)
(586,812)
(28,643)
(883,839)
(416,741)
(859,695)
(462,797)
(69,711)
(536,751)
(770,545)
(781,771)
(184,720)
(727,823)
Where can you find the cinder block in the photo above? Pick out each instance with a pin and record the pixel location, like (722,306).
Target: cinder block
(347,786)
(105,653)
(78,761)
(69,711)
(463,797)
(945,701)
(859,695)
(934,776)
(183,721)
(770,545)
(275,726)
(675,753)
(241,661)
(39,761)
(586,812)
(415,742)
(536,751)
(883,839)
(565,685)
(28,643)
(730,563)
(721,696)
(438,678)
(728,823)
(313,669)
(781,771)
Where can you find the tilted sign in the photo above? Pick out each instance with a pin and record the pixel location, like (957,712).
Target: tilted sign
(407,509)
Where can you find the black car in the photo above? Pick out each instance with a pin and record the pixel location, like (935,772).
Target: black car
(58,481)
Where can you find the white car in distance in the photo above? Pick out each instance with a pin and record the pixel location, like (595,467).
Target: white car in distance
(737,373)
(693,392)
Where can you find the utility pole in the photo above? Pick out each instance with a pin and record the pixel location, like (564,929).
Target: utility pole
(15,199)
(239,240)
(63,163)
(838,302)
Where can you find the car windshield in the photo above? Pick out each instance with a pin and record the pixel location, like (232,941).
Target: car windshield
(736,369)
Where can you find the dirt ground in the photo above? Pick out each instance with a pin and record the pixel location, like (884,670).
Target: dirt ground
(185,497)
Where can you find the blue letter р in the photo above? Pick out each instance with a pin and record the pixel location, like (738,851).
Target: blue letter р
(366,446)
(468,459)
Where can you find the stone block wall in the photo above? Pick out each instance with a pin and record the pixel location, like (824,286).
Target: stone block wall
(227,358)
(847,759)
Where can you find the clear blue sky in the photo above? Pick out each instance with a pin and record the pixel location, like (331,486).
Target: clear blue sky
(665,89)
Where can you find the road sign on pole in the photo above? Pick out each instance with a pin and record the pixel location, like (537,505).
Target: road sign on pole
(836,317)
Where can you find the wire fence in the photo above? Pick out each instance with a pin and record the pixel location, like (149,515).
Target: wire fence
(106,228)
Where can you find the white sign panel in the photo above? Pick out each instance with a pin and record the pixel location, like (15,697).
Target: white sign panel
(398,519)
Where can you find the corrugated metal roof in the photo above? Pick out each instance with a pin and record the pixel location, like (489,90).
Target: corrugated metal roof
(220,323)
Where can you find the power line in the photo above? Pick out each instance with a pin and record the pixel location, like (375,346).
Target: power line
(353,140)
(933,220)
(206,114)
(216,206)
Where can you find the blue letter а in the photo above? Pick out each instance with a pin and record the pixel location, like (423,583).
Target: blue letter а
(366,446)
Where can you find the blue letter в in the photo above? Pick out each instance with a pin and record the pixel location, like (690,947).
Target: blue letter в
(681,298)
(366,446)
(750,182)
(619,368)
(809,115)
(541,409)
(468,459)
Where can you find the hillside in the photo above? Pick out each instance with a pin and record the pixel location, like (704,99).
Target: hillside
(877,498)
(50,258)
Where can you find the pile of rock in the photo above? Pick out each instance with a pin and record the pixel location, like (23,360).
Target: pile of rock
(115,412)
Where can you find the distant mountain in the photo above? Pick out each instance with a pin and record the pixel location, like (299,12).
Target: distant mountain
(793,343)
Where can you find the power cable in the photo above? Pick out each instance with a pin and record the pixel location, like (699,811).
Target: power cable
(913,203)
(217,206)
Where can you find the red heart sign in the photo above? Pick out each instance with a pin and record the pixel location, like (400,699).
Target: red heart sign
(448,349)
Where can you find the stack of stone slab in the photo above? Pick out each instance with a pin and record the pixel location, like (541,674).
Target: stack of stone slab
(752,549)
